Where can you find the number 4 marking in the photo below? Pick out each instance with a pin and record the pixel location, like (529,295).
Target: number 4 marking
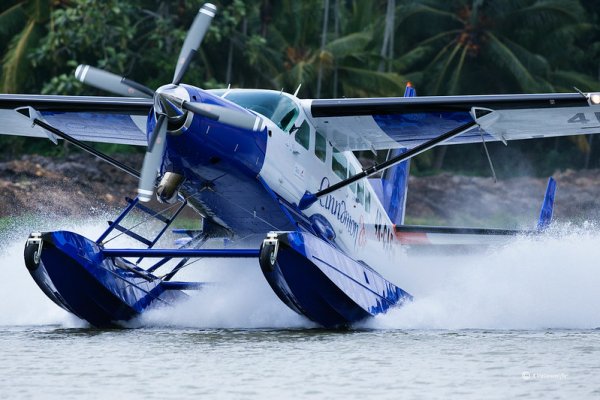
(580,117)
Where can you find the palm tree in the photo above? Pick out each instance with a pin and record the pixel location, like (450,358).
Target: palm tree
(351,57)
(477,46)
(25,22)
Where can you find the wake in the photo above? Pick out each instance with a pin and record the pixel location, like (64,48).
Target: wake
(542,282)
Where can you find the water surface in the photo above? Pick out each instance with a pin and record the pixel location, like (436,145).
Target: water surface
(519,321)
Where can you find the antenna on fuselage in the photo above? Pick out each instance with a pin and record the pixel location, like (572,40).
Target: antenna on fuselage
(297,90)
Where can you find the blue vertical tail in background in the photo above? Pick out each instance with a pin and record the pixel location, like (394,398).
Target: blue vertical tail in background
(547,206)
(410,91)
(393,185)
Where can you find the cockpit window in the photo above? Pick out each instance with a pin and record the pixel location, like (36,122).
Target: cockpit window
(276,106)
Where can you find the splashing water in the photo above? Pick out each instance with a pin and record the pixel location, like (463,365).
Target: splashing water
(549,281)
(242,298)
(23,302)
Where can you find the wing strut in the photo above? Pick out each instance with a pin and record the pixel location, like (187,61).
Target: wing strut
(104,157)
(309,198)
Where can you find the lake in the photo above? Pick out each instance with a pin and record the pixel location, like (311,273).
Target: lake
(518,321)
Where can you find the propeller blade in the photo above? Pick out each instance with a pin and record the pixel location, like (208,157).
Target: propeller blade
(111,82)
(153,159)
(225,115)
(161,124)
(193,39)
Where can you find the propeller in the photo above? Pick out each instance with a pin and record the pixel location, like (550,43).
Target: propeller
(218,113)
(167,107)
(153,159)
(125,87)
(193,39)
(111,82)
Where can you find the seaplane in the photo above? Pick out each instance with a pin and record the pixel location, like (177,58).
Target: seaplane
(271,168)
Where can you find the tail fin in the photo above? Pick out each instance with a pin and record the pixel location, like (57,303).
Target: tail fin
(410,91)
(392,187)
(547,206)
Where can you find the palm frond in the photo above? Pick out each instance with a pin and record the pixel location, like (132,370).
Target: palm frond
(503,55)
(566,80)
(349,44)
(550,12)
(360,82)
(412,59)
(12,20)
(458,71)
(16,67)
(442,73)
(410,10)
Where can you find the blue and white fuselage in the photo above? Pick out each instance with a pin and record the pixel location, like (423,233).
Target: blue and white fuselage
(251,181)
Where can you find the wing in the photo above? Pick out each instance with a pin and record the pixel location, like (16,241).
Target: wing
(383,123)
(95,119)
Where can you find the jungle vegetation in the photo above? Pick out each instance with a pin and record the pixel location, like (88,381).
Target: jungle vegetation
(334,48)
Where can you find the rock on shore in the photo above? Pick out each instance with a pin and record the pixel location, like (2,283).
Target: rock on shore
(76,185)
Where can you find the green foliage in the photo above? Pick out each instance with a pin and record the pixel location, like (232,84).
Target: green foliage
(22,26)
(467,46)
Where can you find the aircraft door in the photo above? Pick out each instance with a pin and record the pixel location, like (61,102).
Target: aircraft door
(301,146)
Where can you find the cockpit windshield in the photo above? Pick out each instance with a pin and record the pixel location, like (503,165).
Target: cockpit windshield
(276,106)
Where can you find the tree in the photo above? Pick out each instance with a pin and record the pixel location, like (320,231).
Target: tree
(474,46)
(351,57)
(22,26)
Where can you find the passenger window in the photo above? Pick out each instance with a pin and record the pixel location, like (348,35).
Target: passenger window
(320,147)
(303,135)
(339,164)
(361,193)
(367,201)
(352,172)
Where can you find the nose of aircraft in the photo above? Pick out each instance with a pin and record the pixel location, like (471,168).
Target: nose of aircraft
(169,100)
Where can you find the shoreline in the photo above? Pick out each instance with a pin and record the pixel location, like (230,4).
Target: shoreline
(79,185)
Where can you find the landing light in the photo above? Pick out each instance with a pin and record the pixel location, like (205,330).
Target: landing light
(595,98)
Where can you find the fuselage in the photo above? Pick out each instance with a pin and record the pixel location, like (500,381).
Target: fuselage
(251,181)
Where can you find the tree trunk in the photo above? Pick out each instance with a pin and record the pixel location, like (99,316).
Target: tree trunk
(229,62)
(387,51)
(323,42)
(337,35)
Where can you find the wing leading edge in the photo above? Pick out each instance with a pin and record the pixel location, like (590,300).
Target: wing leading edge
(94,119)
(383,123)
